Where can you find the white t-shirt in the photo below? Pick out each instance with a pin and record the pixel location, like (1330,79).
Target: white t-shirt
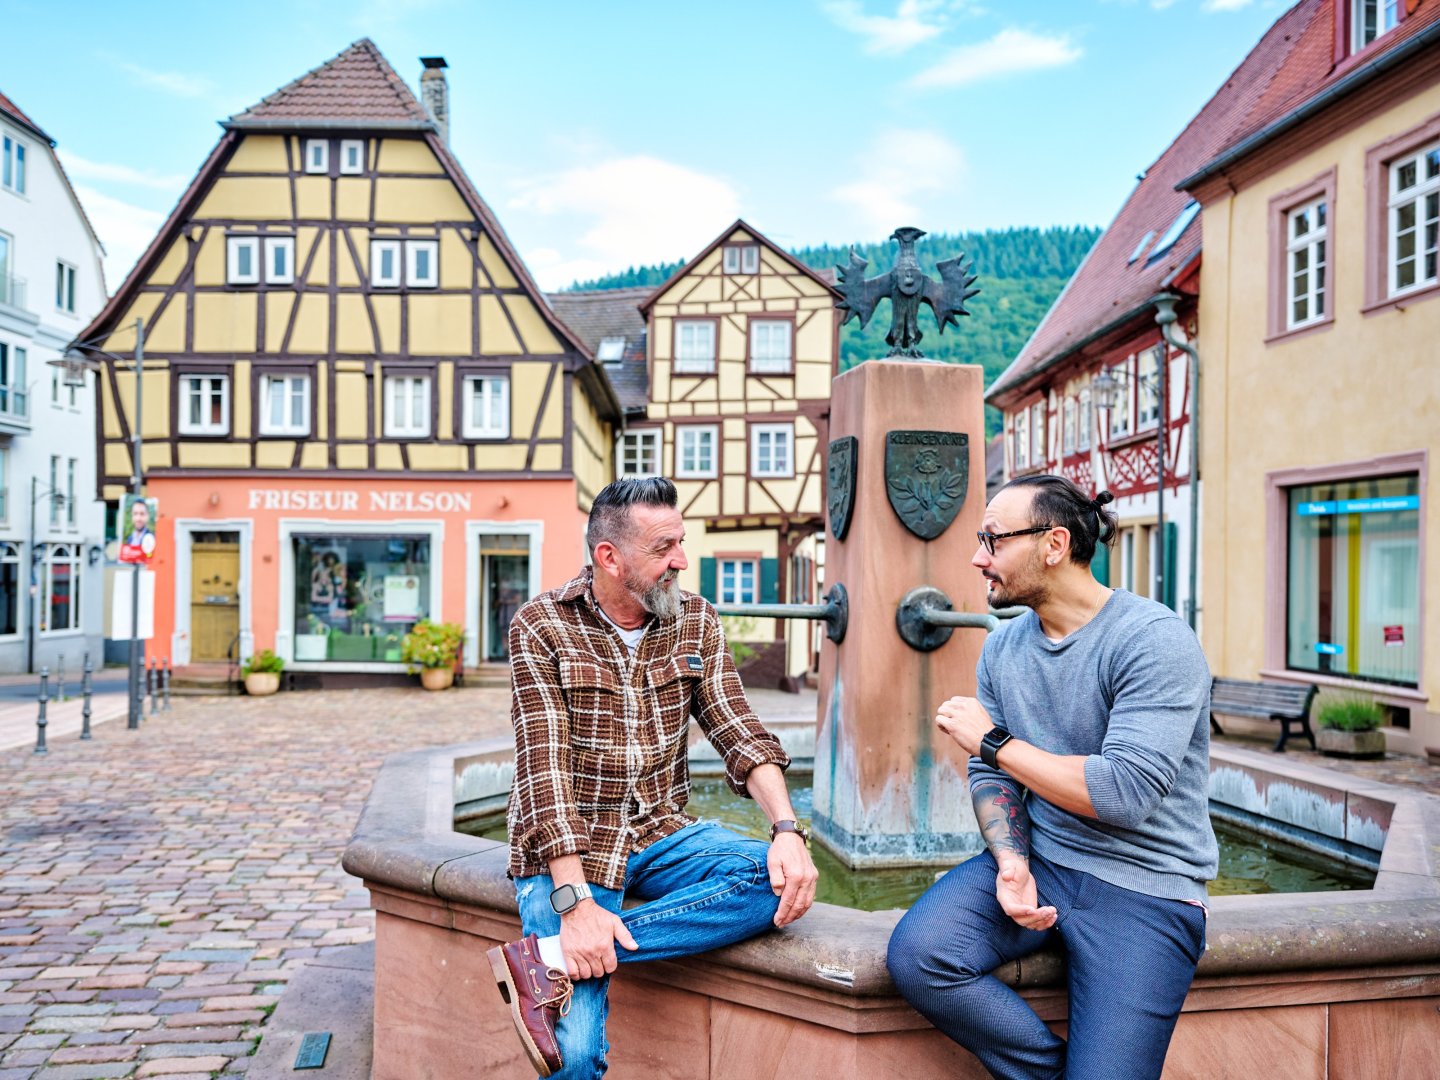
(630,637)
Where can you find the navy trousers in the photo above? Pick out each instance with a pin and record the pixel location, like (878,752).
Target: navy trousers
(1130,959)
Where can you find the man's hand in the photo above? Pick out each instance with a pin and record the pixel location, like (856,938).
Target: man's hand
(587,936)
(1015,890)
(966,721)
(792,876)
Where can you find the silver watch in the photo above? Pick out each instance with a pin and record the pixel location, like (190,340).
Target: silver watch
(565,897)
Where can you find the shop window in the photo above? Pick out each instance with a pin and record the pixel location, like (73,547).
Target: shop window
(487,407)
(60,605)
(9,588)
(407,406)
(772,450)
(770,351)
(356,596)
(204,404)
(694,347)
(638,453)
(695,451)
(1353,580)
(285,405)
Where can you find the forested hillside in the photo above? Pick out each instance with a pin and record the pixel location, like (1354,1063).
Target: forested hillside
(1020,272)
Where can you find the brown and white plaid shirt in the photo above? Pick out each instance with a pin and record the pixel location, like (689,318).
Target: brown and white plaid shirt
(600,735)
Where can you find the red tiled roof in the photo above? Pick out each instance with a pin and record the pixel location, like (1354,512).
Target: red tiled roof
(356,88)
(10,109)
(1108,288)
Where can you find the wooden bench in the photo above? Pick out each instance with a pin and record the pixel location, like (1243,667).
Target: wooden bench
(1288,703)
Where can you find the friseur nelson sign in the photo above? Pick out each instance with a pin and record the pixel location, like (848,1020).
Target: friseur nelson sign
(378,500)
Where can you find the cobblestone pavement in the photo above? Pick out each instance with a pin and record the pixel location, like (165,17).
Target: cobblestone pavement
(158,888)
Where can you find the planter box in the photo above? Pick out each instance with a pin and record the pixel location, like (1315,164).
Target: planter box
(352,647)
(262,683)
(1350,744)
(311,646)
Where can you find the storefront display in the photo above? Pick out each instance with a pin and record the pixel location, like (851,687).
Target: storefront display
(356,595)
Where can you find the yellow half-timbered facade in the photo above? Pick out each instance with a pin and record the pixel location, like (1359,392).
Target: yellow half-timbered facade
(358,409)
(728,393)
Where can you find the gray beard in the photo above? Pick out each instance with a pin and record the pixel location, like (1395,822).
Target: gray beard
(661,599)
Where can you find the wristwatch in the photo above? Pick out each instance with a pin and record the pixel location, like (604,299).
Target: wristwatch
(990,745)
(565,897)
(789,825)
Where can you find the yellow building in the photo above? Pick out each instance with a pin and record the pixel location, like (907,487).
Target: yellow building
(725,371)
(358,408)
(1320,401)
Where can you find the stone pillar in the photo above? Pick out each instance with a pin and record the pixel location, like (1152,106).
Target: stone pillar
(890,788)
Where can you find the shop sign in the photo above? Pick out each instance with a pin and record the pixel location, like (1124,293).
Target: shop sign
(1358,506)
(1394,637)
(1325,648)
(376,501)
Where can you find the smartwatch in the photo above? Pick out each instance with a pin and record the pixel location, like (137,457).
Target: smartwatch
(789,825)
(990,745)
(565,897)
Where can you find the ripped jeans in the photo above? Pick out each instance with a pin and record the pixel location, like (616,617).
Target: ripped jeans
(703,887)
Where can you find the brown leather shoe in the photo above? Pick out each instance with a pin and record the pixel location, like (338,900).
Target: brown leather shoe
(538,995)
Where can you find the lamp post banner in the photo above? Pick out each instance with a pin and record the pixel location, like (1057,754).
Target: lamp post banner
(122,598)
(137,525)
(927,475)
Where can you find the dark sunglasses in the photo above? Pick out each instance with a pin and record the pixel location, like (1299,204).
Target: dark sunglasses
(988,539)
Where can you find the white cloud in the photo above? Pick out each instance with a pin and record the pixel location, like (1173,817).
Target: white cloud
(900,174)
(914,22)
(1161,5)
(81,168)
(171,82)
(626,211)
(1225,5)
(1007,52)
(124,228)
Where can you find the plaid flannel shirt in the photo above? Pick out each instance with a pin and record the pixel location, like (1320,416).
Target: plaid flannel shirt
(600,736)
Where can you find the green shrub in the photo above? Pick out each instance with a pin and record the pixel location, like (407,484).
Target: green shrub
(1350,714)
(263,661)
(736,627)
(432,645)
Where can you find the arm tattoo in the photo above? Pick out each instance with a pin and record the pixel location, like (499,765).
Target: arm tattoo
(1004,822)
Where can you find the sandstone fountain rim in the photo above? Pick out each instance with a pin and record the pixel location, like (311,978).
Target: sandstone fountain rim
(405,842)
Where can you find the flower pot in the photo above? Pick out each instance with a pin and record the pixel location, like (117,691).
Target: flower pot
(1350,744)
(437,678)
(262,683)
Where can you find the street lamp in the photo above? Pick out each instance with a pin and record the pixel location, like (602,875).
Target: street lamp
(76,362)
(1107,388)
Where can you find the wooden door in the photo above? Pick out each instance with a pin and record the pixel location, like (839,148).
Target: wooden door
(214,599)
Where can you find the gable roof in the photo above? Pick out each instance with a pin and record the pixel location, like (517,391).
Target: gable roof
(597,314)
(11,110)
(1110,288)
(357,88)
(725,235)
(13,113)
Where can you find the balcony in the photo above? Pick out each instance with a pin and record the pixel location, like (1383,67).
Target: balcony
(12,291)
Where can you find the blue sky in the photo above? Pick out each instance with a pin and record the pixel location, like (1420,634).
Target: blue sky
(611,134)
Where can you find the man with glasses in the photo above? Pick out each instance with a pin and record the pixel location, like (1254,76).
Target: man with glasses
(1089,774)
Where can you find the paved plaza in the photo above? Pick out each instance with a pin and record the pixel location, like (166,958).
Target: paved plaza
(159,888)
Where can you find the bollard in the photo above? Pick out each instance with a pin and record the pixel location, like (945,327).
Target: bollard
(40,721)
(165,686)
(85,695)
(151,680)
(60,680)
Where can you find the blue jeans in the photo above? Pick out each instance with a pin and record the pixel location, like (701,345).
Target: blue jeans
(1130,959)
(703,887)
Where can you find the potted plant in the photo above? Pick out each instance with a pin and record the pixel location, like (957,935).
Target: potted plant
(1350,727)
(312,644)
(262,673)
(431,648)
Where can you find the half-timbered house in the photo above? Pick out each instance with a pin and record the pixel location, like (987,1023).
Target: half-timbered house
(358,408)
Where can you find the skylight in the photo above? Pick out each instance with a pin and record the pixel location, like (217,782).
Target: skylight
(1141,246)
(1182,222)
(612,350)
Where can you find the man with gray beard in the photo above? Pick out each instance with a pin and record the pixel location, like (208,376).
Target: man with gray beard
(606,672)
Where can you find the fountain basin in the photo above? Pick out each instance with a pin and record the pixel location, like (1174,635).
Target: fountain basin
(1319,984)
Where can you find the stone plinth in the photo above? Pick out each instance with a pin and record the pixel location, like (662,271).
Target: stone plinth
(889,787)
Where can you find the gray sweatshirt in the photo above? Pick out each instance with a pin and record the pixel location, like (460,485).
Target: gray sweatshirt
(1130,690)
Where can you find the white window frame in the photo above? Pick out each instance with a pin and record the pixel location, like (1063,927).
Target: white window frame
(1387,17)
(695,363)
(1039,423)
(635,446)
(55,555)
(54,498)
(1147,389)
(688,441)
(729,583)
(1082,435)
(65,274)
(293,386)
(494,391)
(611,350)
(784,469)
(1068,425)
(1021,431)
(1123,405)
(772,365)
(72,467)
(233,246)
(1418,198)
(413,278)
(274,245)
(13,163)
(349,148)
(387,281)
(317,156)
(403,395)
(191,387)
(1306,258)
(741,259)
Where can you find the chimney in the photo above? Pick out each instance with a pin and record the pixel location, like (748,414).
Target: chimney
(435,93)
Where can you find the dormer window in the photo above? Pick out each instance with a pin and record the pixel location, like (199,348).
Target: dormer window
(741,259)
(1369,19)
(611,350)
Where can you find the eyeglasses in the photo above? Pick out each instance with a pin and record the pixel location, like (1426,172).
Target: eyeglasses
(988,539)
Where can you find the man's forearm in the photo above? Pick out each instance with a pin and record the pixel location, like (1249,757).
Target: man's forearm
(567,870)
(1004,822)
(766,784)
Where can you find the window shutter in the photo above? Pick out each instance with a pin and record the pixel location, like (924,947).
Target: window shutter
(769,581)
(1172,539)
(707,579)
(1100,564)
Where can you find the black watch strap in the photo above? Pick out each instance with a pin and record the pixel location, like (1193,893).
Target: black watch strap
(990,745)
